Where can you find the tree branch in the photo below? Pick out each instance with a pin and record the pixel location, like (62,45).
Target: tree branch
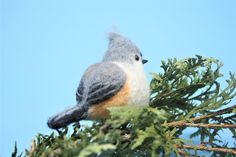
(183,124)
(215,149)
(181,152)
(220,112)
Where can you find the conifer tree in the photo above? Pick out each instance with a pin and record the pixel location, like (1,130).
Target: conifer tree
(185,94)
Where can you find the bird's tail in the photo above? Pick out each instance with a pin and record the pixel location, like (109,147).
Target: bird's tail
(73,114)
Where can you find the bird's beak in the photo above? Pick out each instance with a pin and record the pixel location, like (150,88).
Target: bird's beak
(144,61)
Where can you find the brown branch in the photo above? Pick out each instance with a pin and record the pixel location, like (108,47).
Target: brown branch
(220,112)
(182,153)
(185,154)
(215,149)
(183,124)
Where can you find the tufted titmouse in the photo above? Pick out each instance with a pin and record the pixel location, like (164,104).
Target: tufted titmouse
(119,80)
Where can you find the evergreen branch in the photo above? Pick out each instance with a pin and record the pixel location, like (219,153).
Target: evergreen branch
(186,154)
(201,125)
(186,94)
(220,112)
(183,153)
(214,149)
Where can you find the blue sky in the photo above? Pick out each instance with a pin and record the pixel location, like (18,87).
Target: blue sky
(46,45)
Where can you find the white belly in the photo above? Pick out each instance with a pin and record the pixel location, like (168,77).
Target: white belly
(139,86)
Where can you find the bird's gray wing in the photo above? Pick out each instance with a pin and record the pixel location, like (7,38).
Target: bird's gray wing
(79,92)
(100,82)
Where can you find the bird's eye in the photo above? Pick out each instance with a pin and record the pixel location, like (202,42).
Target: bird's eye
(136,57)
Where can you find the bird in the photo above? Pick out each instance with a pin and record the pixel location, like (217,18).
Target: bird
(118,80)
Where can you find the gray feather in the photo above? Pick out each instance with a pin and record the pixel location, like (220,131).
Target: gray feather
(73,114)
(79,92)
(102,82)
(97,85)
(121,49)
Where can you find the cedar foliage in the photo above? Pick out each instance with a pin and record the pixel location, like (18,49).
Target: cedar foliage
(187,93)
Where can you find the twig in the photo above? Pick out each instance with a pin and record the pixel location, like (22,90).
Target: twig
(215,149)
(185,154)
(183,124)
(220,112)
(182,153)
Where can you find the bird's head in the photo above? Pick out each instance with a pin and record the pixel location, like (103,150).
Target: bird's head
(121,49)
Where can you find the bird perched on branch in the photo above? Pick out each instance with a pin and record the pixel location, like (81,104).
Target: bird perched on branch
(119,80)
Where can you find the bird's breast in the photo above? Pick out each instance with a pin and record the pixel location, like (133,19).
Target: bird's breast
(139,91)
